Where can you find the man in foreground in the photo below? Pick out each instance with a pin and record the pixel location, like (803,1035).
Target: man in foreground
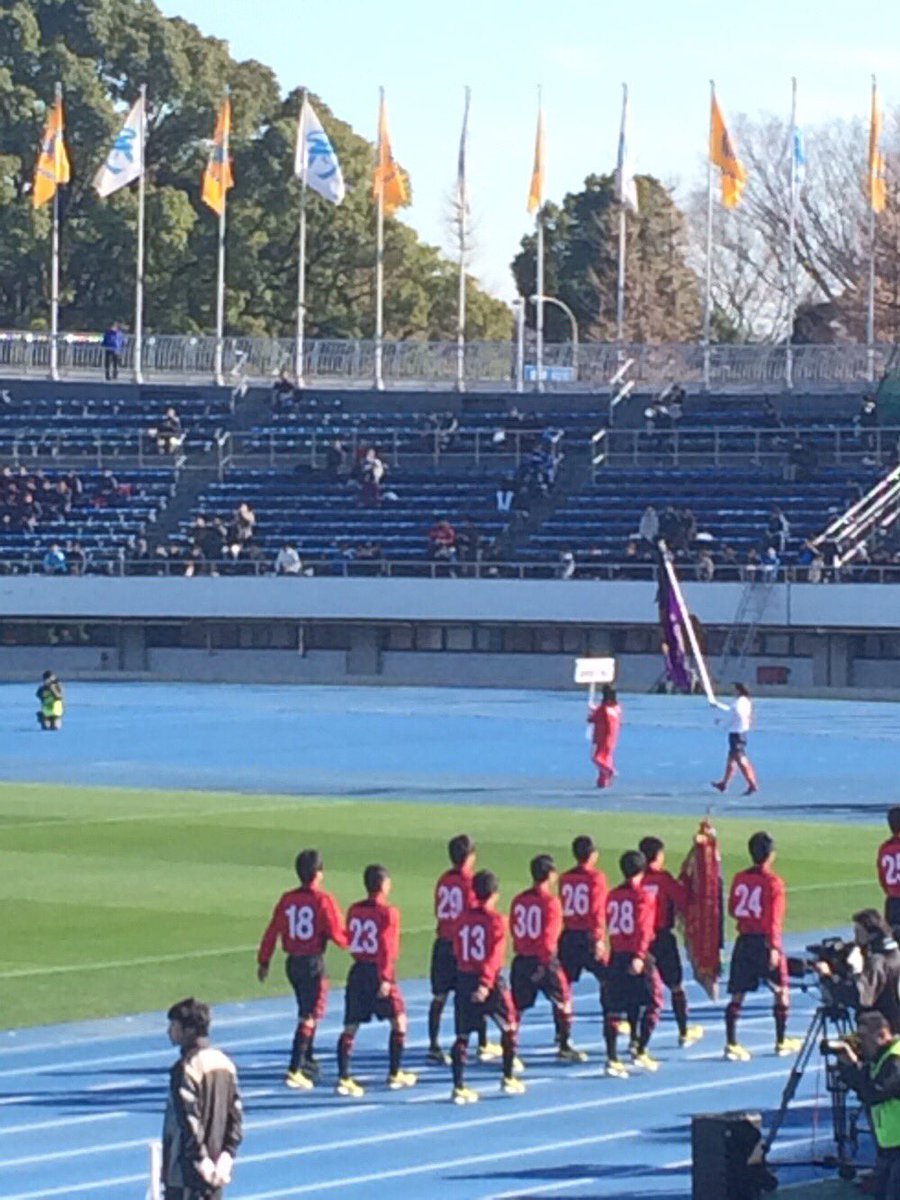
(872,1068)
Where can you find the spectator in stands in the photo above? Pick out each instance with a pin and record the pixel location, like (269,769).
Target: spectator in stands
(287,560)
(282,391)
(76,557)
(505,494)
(730,568)
(778,530)
(753,566)
(632,568)
(442,542)
(113,348)
(648,528)
(336,460)
(706,568)
(802,462)
(243,523)
(468,542)
(771,564)
(28,512)
(369,558)
(566,568)
(138,561)
(55,561)
(169,433)
(669,527)
(106,490)
(371,475)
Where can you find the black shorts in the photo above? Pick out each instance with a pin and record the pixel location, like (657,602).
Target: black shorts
(470,1016)
(624,993)
(362,1001)
(306,973)
(750,965)
(443,967)
(892,911)
(667,957)
(577,954)
(737,745)
(530,976)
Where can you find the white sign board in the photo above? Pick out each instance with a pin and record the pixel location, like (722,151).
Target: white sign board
(595,670)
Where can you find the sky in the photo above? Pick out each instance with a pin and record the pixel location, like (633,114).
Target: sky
(580,52)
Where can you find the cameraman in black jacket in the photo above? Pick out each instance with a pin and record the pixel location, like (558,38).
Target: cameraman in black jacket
(878,983)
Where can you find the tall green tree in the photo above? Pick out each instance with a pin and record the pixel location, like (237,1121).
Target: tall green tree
(101,51)
(581,240)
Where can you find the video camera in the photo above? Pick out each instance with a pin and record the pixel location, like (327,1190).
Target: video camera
(837,985)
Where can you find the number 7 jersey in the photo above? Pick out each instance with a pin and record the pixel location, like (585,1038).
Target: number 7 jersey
(757,903)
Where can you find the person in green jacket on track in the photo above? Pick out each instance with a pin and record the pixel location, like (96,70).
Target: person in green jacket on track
(870,1064)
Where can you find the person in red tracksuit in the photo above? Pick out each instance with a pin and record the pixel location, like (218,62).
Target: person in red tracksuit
(452,896)
(373,934)
(888,862)
(632,988)
(305,920)
(757,903)
(479,946)
(536,922)
(671,898)
(606,721)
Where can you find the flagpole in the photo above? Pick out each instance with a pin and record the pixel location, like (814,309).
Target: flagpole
(54,264)
(707,293)
(539,319)
(220,271)
(870,307)
(792,258)
(620,279)
(139,272)
(379,258)
(463,201)
(301,263)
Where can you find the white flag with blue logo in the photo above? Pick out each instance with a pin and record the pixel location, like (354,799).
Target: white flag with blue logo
(125,161)
(626,185)
(798,150)
(315,161)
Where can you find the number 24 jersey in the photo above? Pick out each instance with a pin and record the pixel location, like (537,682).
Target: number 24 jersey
(757,903)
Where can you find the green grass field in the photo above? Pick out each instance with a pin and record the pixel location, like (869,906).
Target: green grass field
(92,879)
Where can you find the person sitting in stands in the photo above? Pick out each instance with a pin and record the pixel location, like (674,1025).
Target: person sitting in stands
(336,460)
(442,541)
(706,567)
(169,433)
(282,391)
(371,476)
(287,560)
(55,561)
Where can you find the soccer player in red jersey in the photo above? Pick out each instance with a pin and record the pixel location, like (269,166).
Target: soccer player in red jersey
(479,946)
(373,934)
(536,921)
(888,862)
(671,897)
(757,903)
(305,920)
(606,719)
(582,890)
(452,896)
(632,987)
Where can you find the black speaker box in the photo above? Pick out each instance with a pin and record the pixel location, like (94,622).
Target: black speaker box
(721,1145)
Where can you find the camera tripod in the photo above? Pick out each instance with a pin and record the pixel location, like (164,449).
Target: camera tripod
(830,1021)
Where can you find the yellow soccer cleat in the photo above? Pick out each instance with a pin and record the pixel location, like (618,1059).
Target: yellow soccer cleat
(518,1066)
(571,1055)
(737,1053)
(298,1082)
(642,1059)
(464,1095)
(616,1069)
(349,1087)
(692,1034)
(402,1079)
(510,1086)
(489,1052)
(788,1046)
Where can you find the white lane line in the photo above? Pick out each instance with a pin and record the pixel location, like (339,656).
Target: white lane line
(448,1165)
(62,1122)
(71,1189)
(543,1188)
(115,1085)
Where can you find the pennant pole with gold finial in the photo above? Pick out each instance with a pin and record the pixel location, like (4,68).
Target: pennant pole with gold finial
(52,170)
(876,206)
(462,204)
(217,179)
(733,179)
(535,206)
(707,289)
(390,192)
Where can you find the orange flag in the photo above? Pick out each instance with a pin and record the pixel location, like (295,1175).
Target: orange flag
(536,191)
(723,154)
(218,177)
(53,162)
(877,185)
(388,183)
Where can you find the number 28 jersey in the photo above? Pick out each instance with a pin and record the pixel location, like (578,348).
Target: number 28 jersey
(305,919)
(757,903)
(373,935)
(452,896)
(630,919)
(479,944)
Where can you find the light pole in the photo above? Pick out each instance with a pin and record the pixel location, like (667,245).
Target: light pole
(562,304)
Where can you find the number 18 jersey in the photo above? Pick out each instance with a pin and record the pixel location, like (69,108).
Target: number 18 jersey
(757,903)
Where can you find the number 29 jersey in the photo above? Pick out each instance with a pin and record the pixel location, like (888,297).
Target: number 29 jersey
(452,896)
(757,903)
(630,919)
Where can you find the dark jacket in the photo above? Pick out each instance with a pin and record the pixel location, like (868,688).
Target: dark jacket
(878,986)
(204,1115)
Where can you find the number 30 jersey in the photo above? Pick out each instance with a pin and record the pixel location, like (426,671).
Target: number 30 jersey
(757,903)
(536,921)
(305,919)
(452,896)
(630,919)
(373,935)
(479,943)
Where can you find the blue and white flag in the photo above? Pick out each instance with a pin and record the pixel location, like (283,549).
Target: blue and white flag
(626,186)
(315,161)
(125,161)
(462,183)
(798,151)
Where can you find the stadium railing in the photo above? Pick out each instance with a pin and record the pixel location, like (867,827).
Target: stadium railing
(424,364)
(585,572)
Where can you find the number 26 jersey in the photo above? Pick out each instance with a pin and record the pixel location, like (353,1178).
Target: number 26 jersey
(757,903)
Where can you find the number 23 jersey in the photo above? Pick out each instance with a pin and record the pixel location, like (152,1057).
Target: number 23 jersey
(373,935)
(757,903)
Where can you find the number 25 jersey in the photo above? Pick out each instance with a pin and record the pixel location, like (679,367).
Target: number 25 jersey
(757,903)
